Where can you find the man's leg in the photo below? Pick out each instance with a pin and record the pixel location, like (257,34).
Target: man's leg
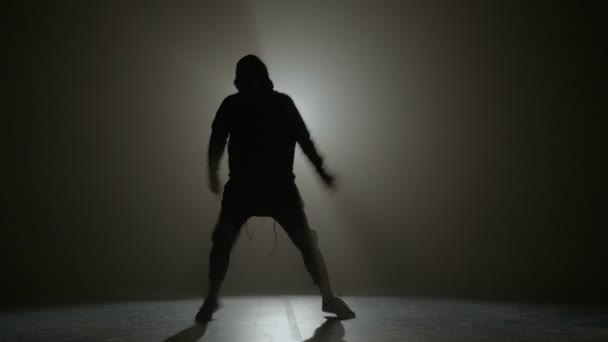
(294,221)
(224,236)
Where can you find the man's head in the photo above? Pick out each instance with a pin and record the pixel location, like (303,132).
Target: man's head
(252,75)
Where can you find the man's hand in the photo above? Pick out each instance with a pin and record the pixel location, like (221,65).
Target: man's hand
(214,183)
(328,179)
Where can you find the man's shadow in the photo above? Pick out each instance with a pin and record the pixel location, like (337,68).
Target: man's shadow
(190,334)
(331,330)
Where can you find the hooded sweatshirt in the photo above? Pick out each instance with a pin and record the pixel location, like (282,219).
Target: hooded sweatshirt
(261,127)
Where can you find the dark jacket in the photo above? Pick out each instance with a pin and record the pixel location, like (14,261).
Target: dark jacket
(262,130)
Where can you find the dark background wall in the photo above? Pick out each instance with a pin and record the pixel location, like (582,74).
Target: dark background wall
(461,132)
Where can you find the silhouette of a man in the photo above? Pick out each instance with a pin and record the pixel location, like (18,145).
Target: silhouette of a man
(262,127)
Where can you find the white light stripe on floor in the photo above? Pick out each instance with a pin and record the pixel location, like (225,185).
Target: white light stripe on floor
(291,318)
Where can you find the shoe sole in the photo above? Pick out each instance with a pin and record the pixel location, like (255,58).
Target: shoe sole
(346,315)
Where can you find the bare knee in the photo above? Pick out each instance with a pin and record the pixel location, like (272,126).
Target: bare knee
(307,242)
(223,241)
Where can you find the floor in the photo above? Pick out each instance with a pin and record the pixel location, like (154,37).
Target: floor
(299,318)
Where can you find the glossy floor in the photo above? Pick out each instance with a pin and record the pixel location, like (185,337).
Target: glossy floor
(299,318)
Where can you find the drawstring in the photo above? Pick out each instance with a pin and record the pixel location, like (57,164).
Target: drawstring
(276,242)
(274,227)
(249,234)
(275,246)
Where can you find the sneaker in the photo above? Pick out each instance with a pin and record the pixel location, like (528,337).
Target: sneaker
(337,306)
(205,313)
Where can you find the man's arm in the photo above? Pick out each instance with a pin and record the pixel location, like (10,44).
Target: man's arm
(217,143)
(308,147)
